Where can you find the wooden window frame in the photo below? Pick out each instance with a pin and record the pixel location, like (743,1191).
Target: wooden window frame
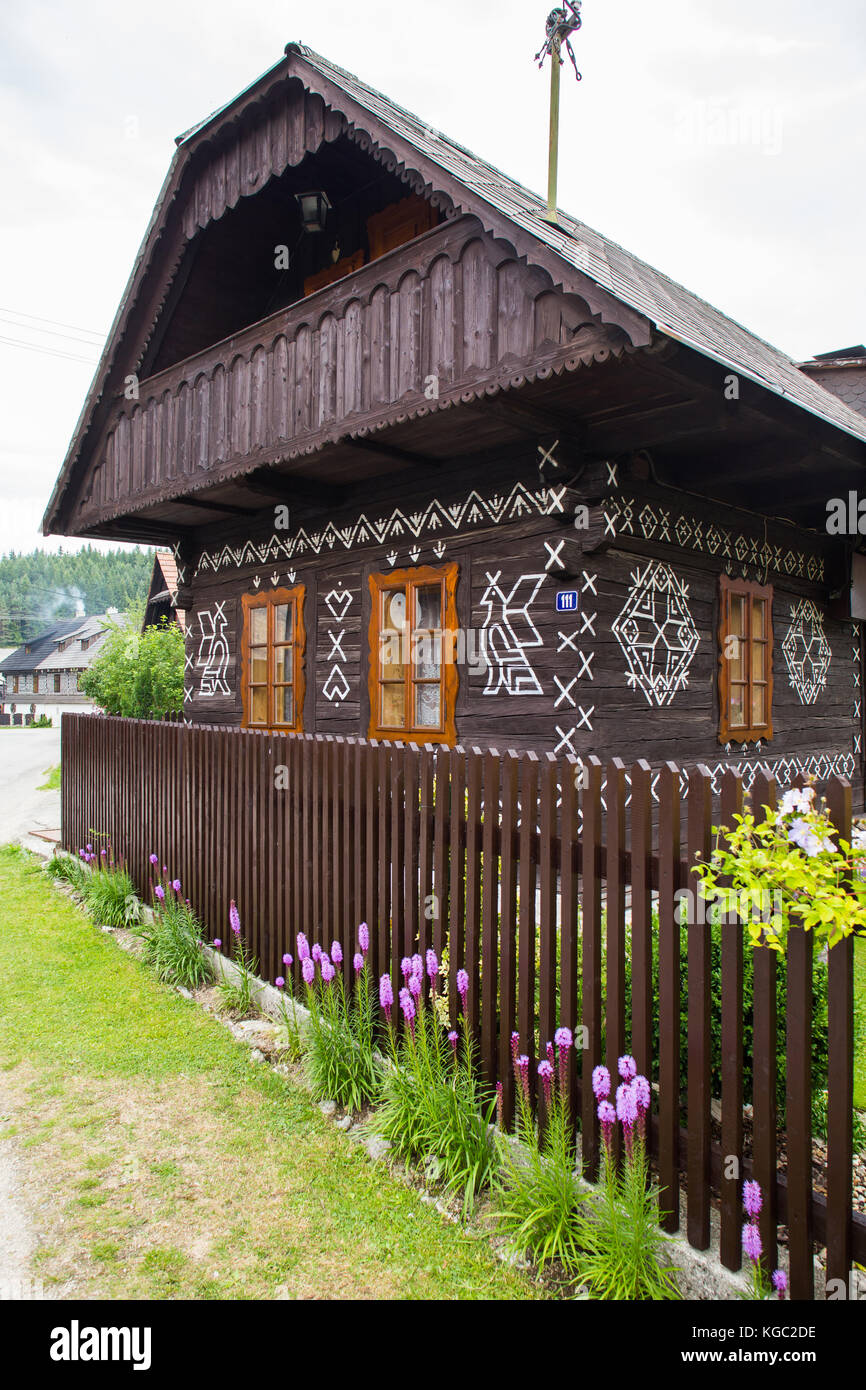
(275,598)
(398,224)
(330,274)
(750,733)
(418,577)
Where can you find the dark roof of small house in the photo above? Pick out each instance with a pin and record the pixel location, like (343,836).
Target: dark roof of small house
(669,307)
(44,653)
(842,357)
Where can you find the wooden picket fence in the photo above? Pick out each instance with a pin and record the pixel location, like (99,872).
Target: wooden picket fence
(541,877)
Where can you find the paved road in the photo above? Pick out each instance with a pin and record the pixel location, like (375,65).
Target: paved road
(25,756)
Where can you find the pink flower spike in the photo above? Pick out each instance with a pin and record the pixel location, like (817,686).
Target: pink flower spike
(358,962)
(234,918)
(328,971)
(280,982)
(545,1071)
(386,995)
(364,937)
(217,943)
(337,953)
(303,946)
(154,859)
(752,1198)
(627,1068)
(515,1046)
(308,970)
(317,952)
(453,1039)
(642,1092)
(462,985)
(287,960)
(432,966)
(780,1282)
(601,1083)
(607,1120)
(752,1242)
(415,985)
(626,1106)
(406,966)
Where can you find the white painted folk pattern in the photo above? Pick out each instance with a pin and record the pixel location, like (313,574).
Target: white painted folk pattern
(656,633)
(213,651)
(806,651)
(510,633)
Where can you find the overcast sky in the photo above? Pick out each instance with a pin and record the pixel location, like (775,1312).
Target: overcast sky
(723,143)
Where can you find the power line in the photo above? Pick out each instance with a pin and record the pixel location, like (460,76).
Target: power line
(49,352)
(91,332)
(51,332)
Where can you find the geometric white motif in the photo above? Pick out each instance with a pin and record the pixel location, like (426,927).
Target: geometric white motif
(807,652)
(336,687)
(213,651)
(656,633)
(338,603)
(510,631)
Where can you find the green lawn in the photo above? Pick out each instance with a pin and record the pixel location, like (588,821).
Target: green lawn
(52,779)
(175,1168)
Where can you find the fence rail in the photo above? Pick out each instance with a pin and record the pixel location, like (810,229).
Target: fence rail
(547,880)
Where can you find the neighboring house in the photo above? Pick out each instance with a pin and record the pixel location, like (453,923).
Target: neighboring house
(381,395)
(843,372)
(42,676)
(162,595)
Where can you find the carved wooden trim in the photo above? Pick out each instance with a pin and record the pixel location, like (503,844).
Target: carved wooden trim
(446,576)
(752,733)
(272,599)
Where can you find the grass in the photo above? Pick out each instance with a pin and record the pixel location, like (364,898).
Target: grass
(52,779)
(175,1168)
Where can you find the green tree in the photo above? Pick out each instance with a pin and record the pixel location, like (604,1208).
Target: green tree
(138,674)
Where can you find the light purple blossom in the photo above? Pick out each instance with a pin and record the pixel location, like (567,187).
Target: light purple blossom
(626,1106)
(386,995)
(317,952)
(308,970)
(280,982)
(515,1046)
(545,1071)
(453,1039)
(500,1106)
(234,918)
(607,1120)
(752,1242)
(358,962)
(217,943)
(780,1282)
(462,985)
(407,1004)
(521,1067)
(287,960)
(159,891)
(642,1092)
(564,1038)
(752,1198)
(601,1083)
(627,1068)
(337,953)
(328,971)
(364,937)
(89,848)
(415,985)
(303,946)
(406,966)
(432,967)
(153,859)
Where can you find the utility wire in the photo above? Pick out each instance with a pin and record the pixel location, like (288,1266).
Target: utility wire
(49,352)
(91,332)
(51,332)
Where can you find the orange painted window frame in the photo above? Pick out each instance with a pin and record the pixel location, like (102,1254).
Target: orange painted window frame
(753,593)
(419,577)
(273,599)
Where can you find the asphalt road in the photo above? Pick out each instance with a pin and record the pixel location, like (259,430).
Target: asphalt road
(25,757)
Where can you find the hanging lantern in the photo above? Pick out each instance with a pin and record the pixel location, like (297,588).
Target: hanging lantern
(314,207)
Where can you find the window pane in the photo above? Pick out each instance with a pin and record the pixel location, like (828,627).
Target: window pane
(428,606)
(393,706)
(427,654)
(737,648)
(259,705)
(258,665)
(258,626)
(283,614)
(759,705)
(394,609)
(737,719)
(283,665)
(759,613)
(759,657)
(738,615)
(284,705)
(427,706)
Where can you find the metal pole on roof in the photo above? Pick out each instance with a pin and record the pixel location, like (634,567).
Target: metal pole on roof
(561,24)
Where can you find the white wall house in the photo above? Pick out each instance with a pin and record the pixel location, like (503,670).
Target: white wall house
(42,676)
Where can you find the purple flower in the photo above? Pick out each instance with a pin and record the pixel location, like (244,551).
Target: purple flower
(328,971)
(159,891)
(601,1083)
(176,885)
(217,943)
(386,995)
(545,1071)
(102,853)
(308,970)
(407,1004)
(358,962)
(81,854)
(626,1106)
(564,1038)
(364,937)
(752,1198)
(417,965)
(432,967)
(780,1282)
(406,966)
(287,960)
(415,985)
(500,1107)
(337,953)
(317,952)
(234,918)
(462,985)
(607,1120)
(521,1068)
(280,982)
(89,848)
(154,859)
(752,1242)
(515,1046)
(453,1039)
(642,1093)
(627,1068)
(303,946)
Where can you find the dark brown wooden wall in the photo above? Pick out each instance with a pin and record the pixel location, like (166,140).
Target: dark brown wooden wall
(567,710)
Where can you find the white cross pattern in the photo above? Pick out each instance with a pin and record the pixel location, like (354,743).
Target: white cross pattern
(589,581)
(566,641)
(611,474)
(588,620)
(565,737)
(337,640)
(547,455)
(553,553)
(585,664)
(565,692)
(585,717)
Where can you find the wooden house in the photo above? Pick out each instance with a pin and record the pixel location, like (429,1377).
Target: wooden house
(162,594)
(369,394)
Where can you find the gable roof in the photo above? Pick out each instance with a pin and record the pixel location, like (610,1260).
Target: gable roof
(477,187)
(44,654)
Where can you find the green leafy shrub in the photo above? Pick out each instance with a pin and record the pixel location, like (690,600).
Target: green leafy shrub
(138,674)
(819,1122)
(436,1111)
(340,1057)
(172,942)
(236,990)
(68,868)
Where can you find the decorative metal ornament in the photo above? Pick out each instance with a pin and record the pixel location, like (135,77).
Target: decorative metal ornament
(561,24)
